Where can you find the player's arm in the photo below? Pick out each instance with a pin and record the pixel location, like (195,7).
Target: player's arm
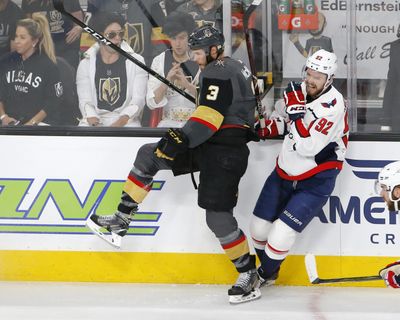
(309,141)
(215,97)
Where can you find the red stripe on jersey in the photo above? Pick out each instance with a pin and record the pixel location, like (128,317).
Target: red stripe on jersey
(276,251)
(301,129)
(234,243)
(205,123)
(319,168)
(138,183)
(345,140)
(346,123)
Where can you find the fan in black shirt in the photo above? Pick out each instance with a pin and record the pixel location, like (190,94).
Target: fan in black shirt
(30,87)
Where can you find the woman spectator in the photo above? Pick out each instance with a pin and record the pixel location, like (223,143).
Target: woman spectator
(66,36)
(30,87)
(111,88)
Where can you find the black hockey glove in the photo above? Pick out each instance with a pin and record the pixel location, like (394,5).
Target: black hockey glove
(173,142)
(294,100)
(391,274)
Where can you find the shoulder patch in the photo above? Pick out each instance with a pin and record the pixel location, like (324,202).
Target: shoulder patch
(329,104)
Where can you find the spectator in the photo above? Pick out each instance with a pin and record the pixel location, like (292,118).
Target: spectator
(175,65)
(111,88)
(65,35)
(159,11)
(203,12)
(30,87)
(391,98)
(162,8)
(10,13)
(137,24)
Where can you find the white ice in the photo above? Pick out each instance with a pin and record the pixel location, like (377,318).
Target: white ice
(86,301)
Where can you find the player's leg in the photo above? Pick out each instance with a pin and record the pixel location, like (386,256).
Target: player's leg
(273,198)
(219,180)
(305,203)
(136,188)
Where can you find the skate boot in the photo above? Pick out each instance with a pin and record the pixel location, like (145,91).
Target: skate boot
(117,224)
(266,281)
(246,288)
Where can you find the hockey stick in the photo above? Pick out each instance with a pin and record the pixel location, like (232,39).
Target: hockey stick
(311,267)
(59,5)
(253,6)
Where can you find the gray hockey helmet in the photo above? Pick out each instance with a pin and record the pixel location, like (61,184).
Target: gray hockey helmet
(206,37)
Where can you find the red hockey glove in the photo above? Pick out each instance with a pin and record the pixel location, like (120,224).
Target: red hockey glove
(391,275)
(294,100)
(273,128)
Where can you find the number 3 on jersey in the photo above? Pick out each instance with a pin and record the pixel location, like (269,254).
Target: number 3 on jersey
(212,92)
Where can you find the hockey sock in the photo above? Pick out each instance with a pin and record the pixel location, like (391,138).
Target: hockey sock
(237,249)
(269,266)
(127,205)
(137,187)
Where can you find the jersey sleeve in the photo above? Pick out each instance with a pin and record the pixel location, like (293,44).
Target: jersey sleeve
(311,140)
(214,99)
(53,90)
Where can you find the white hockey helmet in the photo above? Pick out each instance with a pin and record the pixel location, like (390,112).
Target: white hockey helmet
(323,61)
(389,177)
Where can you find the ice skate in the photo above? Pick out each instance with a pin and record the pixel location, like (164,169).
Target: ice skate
(117,224)
(266,281)
(246,288)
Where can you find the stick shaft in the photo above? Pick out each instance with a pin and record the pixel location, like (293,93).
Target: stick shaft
(350,279)
(60,7)
(250,53)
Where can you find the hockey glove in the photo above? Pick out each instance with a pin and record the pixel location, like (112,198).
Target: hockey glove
(173,142)
(273,128)
(294,101)
(391,275)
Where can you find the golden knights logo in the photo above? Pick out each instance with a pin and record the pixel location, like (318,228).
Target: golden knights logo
(110,90)
(135,37)
(55,15)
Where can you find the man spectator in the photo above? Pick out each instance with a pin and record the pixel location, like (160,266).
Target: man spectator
(10,13)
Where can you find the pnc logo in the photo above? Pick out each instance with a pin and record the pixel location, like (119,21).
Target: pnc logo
(24,204)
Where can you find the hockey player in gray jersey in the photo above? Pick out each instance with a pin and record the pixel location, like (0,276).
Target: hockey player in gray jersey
(214,142)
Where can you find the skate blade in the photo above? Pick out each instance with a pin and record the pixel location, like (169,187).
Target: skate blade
(112,238)
(253,295)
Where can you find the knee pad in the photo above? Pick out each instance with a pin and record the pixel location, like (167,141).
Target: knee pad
(144,160)
(222,223)
(259,230)
(280,240)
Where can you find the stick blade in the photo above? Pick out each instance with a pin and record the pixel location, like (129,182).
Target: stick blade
(59,5)
(311,268)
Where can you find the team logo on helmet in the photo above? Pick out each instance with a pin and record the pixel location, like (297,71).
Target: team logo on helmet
(207,33)
(319,58)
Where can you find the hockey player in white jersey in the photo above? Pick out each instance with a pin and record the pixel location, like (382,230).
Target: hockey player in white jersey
(388,186)
(312,154)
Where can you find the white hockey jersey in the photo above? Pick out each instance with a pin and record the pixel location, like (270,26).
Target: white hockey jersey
(317,142)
